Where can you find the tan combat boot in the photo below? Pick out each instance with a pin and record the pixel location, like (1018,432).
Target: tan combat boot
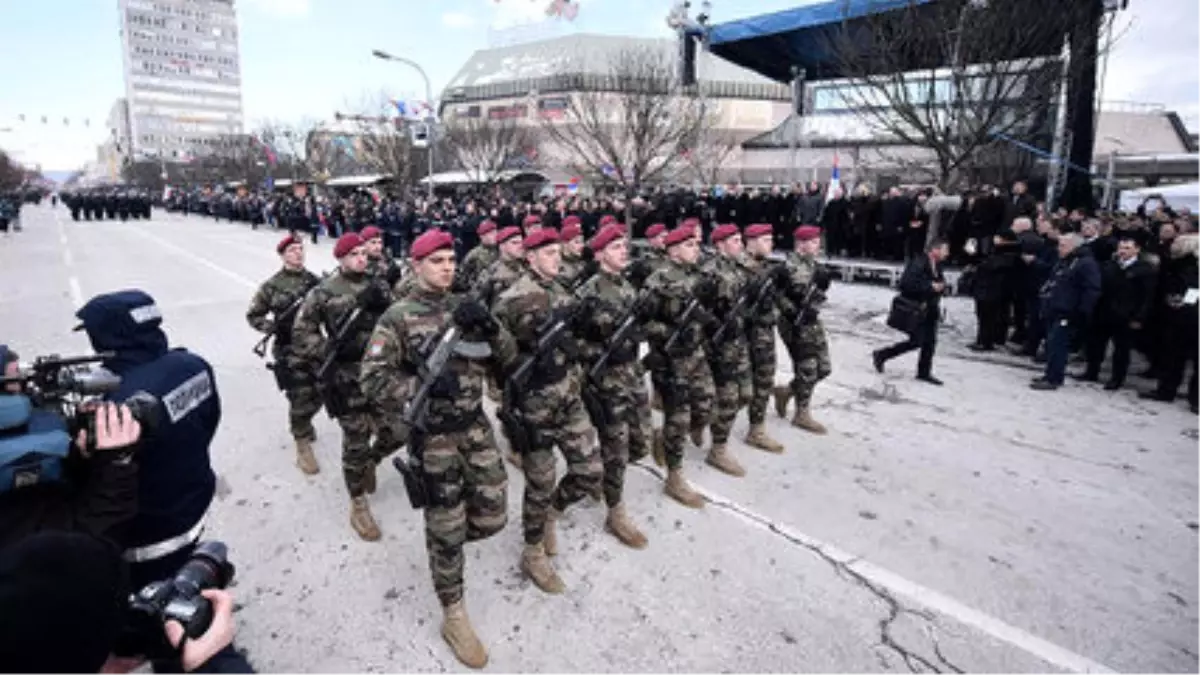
(782,396)
(678,489)
(720,459)
(697,436)
(305,459)
(659,448)
(623,529)
(550,532)
(758,438)
(804,420)
(361,519)
(460,635)
(537,567)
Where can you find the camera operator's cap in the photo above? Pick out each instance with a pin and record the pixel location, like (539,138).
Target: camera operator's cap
(570,231)
(759,230)
(433,240)
(655,230)
(607,235)
(370,232)
(680,235)
(286,242)
(532,220)
(346,243)
(63,599)
(724,232)
(541,238)
(7,356)
(486,227)
(807,233)
(572,220)
(123,313)
(508,233)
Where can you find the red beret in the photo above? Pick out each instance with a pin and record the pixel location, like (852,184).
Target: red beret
(724,232)
(680,235)
(690,222)
(655,230)
(346,243)
(541,238)
(370,232)
(607,235)
(606,219)
(759,230)
(485,227)
(433,240)
(807,233)
(531,219)
(508,233)
(286,242)
(571,220)
(570,231)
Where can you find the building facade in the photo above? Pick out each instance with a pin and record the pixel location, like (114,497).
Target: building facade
(182,75)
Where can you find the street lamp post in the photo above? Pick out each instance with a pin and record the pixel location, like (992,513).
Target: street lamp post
(429,120)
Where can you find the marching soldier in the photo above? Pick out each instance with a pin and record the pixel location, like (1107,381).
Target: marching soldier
(677,362)
(613,408)
(549,406)
(574,268)
(478,259)
(466,478)
(728,353)
(506,270)
(760,334)
(380,263)
(801,329)
(281,297)
(650,255)
(333,327)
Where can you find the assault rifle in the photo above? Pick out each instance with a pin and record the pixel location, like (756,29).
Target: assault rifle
(282,320)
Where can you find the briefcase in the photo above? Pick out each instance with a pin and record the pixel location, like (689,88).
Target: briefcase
(906,315)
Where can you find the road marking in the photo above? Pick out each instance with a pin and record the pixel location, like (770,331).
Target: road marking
(926,597)
(199,259)
(76,292)
(67,257)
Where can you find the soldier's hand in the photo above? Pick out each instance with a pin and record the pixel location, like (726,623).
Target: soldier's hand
(374,297)
(780,276)
(822,278)
(706,290)
(472,314)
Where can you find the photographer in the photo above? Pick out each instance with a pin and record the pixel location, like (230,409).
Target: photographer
(63,601)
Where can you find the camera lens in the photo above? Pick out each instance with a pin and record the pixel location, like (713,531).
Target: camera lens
(209,567)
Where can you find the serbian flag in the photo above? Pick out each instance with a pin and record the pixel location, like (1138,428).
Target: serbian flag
(835,180)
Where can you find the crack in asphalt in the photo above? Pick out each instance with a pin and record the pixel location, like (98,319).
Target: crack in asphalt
(843,569)
(1124,467)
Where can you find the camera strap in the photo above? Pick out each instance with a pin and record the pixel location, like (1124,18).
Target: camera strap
(166,547)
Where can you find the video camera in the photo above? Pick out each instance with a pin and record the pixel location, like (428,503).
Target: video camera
(176,599)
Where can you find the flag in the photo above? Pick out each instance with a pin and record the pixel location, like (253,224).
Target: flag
(835,181)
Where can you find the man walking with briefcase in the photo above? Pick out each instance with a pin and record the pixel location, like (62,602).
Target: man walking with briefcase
(917,309)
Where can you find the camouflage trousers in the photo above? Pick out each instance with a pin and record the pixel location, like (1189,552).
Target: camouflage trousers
(687,393)
(359,453)
(641,433)
(616,428)
(731,383)
(304,402)
(469,488)
(556,417)
(809,350)
(762,371)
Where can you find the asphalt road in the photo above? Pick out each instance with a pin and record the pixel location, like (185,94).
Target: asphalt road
(979,526)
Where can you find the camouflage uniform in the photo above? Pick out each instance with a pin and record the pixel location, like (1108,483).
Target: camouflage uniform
(496,279)
(554,411)
(646,260)
(760,334)
(473,266)
(274,297)
(729,361)
(468,484)
(385,268)
(330,303)
(804,339)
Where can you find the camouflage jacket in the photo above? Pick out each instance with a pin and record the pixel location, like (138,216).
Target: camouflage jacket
(325,308)
(756,270)
(478,260)
(404,338)
(498,278)
(669,291)
(569,270)
(274,297)
(645,261)
(802,269)
(527,306)
(385,268)
(730,279)
(609,298)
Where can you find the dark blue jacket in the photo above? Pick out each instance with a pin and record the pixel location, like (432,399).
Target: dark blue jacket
(1073,286)
(176,482)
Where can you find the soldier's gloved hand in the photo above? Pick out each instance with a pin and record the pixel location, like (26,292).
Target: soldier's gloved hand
(637,272)
(705,291)
(809,316)
(374,298)
(822,278)
(781,276)
(446,386)
(473,315)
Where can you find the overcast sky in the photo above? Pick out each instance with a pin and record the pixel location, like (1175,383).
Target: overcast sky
(308,58)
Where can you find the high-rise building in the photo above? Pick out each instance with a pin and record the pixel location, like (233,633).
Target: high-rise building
(183,83)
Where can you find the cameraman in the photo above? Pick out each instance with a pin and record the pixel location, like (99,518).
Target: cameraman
(63,600)
(92,488)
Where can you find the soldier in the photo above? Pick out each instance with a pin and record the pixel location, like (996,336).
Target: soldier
(532,224)
(478,259)
(506,270)
(613,410)
(801,329)
(760,334)
(680,373)
(574,269)
(728,357)
(347,303)
(380,263)
(281,296)
(466,477)
(549,408)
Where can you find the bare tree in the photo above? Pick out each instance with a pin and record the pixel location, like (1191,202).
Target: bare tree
(385,143)
(311,149)
(11,173)
(234,157)
(485,148)
(633,129)
(984,98)
(710,151)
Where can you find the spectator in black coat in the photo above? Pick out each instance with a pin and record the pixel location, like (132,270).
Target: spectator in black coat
(1020,204)
(1068,299)
(895,211)
(1127,293)
(835,220)
(1182,342)
(992,289)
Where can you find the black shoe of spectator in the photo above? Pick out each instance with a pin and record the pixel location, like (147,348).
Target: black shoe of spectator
(877,361)
(1085,377)
(1018,338)
(1043,385)
(976,347)
(1040,357)
(1112,385)
(1156,396)
(929,379)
